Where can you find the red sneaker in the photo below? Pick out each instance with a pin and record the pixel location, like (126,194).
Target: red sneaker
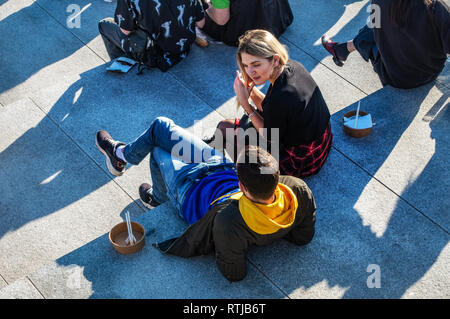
(329,45)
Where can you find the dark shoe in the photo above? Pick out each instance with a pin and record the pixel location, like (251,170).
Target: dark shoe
(146,195)
(330,46)
(107,146)
(209,140)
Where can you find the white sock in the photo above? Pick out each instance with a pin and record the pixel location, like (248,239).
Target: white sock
(119,152)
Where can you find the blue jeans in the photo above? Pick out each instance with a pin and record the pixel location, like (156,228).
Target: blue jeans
(178,159)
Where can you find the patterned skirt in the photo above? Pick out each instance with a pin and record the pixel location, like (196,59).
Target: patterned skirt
(306,160)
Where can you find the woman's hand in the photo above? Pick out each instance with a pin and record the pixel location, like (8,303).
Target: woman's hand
(242,90)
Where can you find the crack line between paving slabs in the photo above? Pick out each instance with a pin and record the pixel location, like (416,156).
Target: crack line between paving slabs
(84,152)
(268,278)
(1,277)
(392,191)
(35,287)
(326,66)
(85,44)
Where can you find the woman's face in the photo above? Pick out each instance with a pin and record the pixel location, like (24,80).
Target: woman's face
(258,69)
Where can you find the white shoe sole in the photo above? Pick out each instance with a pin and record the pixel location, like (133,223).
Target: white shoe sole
(146,204)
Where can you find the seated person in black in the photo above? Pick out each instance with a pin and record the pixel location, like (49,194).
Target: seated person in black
(166,27)
(227,20)
(408,48)
(293,116)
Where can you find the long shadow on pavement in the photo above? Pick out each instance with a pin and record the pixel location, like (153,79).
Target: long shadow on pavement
(360,223)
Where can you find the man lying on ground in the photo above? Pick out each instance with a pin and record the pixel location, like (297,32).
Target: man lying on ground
(229,207)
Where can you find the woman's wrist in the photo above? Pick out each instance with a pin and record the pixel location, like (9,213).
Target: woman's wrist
(248,108)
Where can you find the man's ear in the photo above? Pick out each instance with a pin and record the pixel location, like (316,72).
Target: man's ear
(242,187)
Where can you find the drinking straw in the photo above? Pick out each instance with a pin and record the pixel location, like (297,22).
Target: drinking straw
(357,114)
(130,238)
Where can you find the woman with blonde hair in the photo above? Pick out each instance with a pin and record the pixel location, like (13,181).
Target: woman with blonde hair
(292,115)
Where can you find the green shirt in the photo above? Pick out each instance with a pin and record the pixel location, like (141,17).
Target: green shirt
(220,4)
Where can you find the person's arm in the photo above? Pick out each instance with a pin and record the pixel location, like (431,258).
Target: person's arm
(242,95)
(257,97)
(124,18)
(219,13)
(200,24)
(304,227)
(230,249)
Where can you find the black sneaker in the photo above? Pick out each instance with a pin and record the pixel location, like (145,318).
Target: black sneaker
(107,146)
(208,140)
(145,193)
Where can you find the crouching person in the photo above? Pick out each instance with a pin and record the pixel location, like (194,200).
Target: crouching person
(229,206)
(155,33)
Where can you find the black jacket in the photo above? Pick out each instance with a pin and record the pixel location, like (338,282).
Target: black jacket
(224,232)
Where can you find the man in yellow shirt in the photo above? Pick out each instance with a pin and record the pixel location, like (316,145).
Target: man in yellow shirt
(229,207)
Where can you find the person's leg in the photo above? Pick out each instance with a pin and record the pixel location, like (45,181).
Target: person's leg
(112,37)
(168,179)
(178,142)
(172,178)
(233,135)
(162,133)
(363,43)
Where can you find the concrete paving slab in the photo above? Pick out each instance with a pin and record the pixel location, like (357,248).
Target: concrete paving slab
(408,149)
(444,77)
(55,199)
(126,107)
(360,226)
(10,7)
(81,19)
(27,63)
(369,224)
(96,270)
(20,289)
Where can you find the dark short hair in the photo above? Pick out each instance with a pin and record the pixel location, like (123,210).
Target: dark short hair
(258,171)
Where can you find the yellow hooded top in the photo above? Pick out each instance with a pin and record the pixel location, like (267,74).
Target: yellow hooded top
(268,219)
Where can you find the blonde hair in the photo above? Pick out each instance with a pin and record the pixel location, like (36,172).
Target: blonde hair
(263,44)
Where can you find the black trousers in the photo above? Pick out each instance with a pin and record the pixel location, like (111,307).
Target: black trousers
(112,37)
(365,44)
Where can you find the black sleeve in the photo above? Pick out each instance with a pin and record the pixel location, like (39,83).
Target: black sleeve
(124,16)
(441,17)
(304,228)
(199,11)
(230,249)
